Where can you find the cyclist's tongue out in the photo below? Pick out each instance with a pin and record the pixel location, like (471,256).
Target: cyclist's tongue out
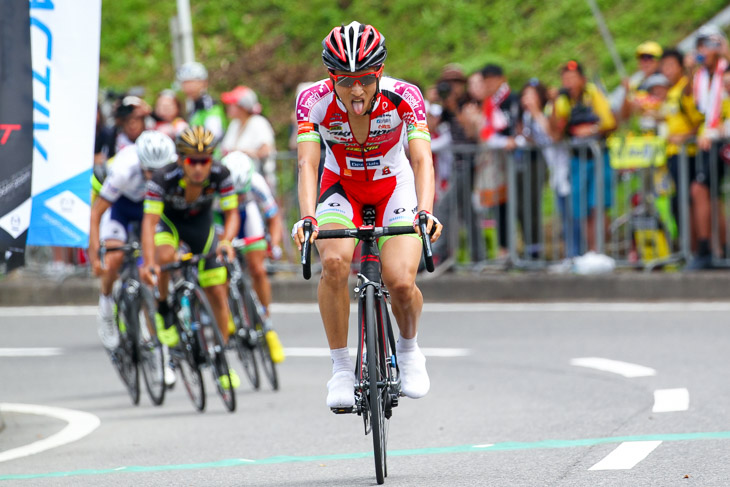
(358,106)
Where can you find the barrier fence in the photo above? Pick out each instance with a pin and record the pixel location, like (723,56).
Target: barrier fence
(634,199)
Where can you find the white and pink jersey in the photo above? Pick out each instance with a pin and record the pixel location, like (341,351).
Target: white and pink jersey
(399,105)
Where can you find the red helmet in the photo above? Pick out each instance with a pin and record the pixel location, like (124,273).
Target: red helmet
(353,47)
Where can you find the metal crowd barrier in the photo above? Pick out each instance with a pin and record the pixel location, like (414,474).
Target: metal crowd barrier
(539,207)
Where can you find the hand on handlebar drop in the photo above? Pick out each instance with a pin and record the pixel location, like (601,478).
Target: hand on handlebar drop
(433,225)
(225,246)
(297,231)
(148,274)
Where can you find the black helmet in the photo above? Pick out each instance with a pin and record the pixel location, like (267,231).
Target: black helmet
(353,47)
(196,141)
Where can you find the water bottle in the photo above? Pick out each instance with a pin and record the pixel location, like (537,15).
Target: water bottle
(184,315)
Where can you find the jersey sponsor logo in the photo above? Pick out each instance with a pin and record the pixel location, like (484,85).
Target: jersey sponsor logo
(412,98)
(355,163)
(386,171)
(334,204)
(398,211)
(384,126)
(305,127)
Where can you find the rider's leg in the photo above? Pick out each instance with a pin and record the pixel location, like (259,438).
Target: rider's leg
(334,306)
(332,293)
(257,271)
(400,257)
(167,334)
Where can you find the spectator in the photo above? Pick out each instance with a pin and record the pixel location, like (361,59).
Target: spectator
(681,119)
(707,92)
(249,132)
(201,108)
(496,127)
(130,120)
(535,130)
(636,101)
(104,145)
(456,110)
(168,114)
(582,114)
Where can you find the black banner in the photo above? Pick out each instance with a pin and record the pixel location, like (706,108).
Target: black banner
(16,131)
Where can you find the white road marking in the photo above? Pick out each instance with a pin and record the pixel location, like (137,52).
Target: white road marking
(625,369)
(79,425)
(486,445)
(627,455)
(325,352)
(313,308)
(30,352)
(670,400)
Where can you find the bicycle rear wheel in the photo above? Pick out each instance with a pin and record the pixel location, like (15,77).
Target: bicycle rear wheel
(376,386)
(124,356)
(262,346)
(211,342)
(244,340)
(150,350)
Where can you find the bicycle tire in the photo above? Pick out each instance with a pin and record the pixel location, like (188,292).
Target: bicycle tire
(262,346)
(212,345)
(149,349)
(242,340)
(125,356)
(375,393)
(186,358)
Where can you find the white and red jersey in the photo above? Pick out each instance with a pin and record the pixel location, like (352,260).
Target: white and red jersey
(399,111)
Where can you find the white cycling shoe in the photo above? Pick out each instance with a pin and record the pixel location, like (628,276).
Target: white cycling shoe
(107,329)
(341,390)
(414,378)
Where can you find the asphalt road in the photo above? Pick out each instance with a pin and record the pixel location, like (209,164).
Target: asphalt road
(510,405)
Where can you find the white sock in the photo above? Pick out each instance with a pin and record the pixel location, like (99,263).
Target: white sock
(106,305)
(340,360)
(405,345)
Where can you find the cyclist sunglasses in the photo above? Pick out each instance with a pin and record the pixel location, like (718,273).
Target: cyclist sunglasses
(195,161)
(349,80)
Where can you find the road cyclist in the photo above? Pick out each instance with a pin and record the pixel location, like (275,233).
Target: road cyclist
(178,207)
(118,195)
(363,117)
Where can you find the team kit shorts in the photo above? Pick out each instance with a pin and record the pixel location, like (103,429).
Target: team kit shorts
(341,201)
(191,230)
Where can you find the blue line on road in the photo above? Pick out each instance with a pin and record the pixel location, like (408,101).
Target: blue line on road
(505,446)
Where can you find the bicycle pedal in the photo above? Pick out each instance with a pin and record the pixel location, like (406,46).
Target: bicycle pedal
(348,410)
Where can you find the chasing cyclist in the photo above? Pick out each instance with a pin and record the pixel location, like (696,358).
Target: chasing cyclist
(363,117)
(121,191)
(254,193)
(179,206)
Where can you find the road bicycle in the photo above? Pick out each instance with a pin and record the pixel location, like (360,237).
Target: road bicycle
(135,319)
(250,320)
(378,384)
(201,342)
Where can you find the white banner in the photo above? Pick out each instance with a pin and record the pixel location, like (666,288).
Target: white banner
(65,51)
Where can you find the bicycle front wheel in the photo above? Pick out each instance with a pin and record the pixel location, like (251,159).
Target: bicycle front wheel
(376,386)
(262,346)
(211,342)
(149,347)
(125,356)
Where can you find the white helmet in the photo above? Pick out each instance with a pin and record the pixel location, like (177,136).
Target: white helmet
(192,71)
(242,168)
(155,150)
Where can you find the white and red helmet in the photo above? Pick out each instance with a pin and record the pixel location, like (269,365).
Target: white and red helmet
(353,47)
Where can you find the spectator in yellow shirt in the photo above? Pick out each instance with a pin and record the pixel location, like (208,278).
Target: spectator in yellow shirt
(583,114)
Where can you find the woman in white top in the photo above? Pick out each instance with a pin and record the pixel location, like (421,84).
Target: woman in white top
(249,132)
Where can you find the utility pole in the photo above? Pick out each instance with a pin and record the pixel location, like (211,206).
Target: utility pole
(181,28)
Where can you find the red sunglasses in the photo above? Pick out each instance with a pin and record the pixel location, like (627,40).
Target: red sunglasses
(195,161)
(349,80)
